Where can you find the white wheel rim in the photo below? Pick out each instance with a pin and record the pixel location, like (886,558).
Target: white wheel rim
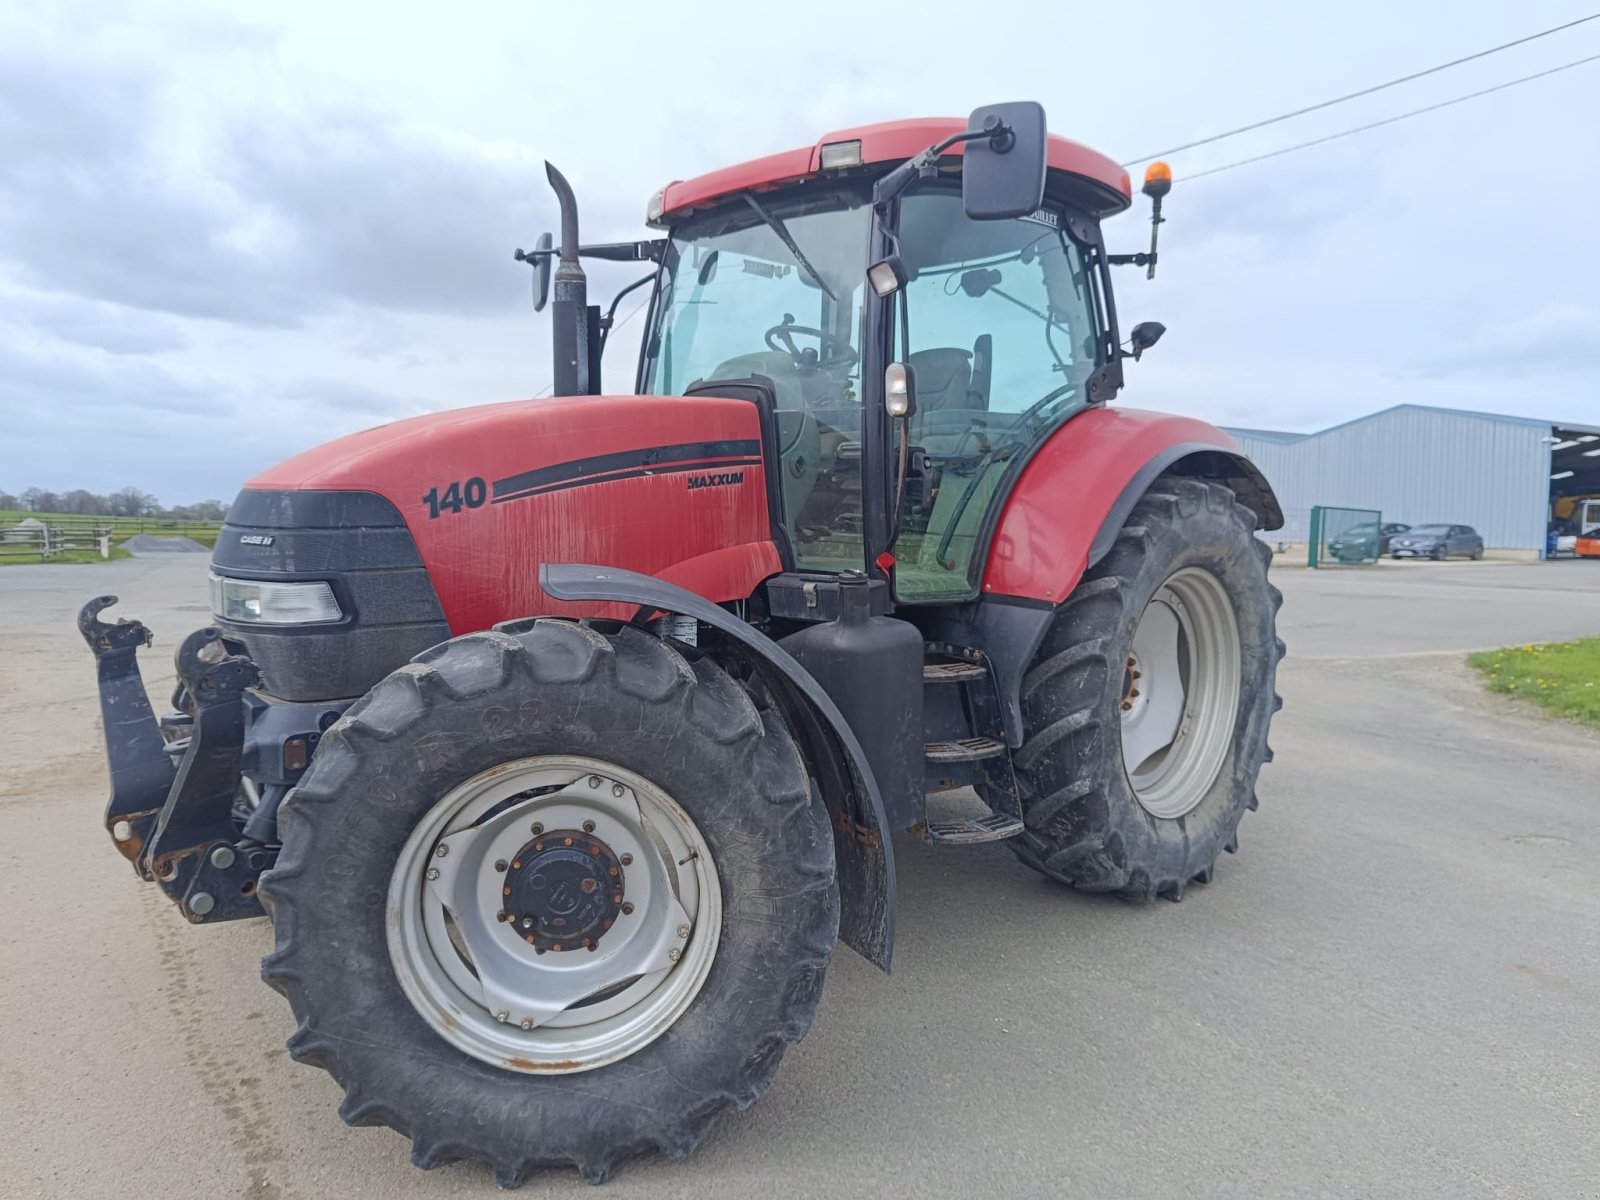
(498,989)
(1180,696)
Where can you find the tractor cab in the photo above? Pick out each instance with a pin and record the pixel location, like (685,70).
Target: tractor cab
(959,264)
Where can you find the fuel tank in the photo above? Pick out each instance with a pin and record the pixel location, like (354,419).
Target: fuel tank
(670,486)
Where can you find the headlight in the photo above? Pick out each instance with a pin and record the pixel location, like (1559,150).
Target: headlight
(253,602)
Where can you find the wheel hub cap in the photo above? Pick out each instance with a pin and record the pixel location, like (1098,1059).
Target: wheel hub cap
(554,914)
(563,891)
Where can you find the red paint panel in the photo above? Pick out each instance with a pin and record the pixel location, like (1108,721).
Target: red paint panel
(888,141)
(484,561)
(1041,546)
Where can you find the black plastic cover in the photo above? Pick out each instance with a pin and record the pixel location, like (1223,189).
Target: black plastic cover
(358,543)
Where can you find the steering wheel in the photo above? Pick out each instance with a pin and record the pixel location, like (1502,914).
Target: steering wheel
(834,351)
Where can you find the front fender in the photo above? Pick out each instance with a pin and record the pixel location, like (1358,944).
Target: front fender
(862,849)
(1064,512)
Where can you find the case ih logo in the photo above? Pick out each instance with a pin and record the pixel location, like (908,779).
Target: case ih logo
(724,479)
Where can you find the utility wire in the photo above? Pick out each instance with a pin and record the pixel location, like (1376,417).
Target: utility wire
(1300,112)
(1416,112)
(632,312)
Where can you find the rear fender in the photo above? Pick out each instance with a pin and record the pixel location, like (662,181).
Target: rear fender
(860,827)
(1075,493)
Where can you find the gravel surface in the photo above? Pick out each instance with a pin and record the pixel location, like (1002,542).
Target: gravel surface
(1392,990)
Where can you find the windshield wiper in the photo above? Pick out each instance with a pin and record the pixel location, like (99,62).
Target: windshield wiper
(778,227)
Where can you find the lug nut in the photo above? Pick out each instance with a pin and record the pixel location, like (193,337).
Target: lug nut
(588,826)
(591,946)
(517,865)
(594,781)
(537,828)
(626,860)
(500,864)
(441,850)
(502,1017)
(502,915)
(433,873)
(674,954)
(627,909)
(683,931)
(527,922)
(616,790)
(527,1022)
(589,886)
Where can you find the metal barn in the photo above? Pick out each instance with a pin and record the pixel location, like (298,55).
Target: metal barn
(1420,465)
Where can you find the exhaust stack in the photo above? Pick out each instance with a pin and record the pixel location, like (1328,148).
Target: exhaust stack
(575,325)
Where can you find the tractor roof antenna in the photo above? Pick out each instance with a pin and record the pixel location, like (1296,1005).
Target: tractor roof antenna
(574,333)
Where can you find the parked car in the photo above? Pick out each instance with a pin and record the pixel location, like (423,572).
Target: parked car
(1364,541)
(1438,541)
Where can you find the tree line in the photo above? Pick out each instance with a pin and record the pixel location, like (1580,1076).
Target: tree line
(129,502)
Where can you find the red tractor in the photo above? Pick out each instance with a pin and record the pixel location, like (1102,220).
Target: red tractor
(563,739)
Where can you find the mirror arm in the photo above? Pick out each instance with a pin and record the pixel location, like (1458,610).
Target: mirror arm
(897,180)
(650,251)
(1131,260)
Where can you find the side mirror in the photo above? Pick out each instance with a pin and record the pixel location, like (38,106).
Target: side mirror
(541,256)
(1144,335)
(1002,175)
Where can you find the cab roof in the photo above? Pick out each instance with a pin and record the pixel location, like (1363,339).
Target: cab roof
(886,142)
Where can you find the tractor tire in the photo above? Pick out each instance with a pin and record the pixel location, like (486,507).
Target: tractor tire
(1187,568)
(540,696)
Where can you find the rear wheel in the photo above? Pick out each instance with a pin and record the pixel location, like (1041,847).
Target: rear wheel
(552,896)
(1146,712)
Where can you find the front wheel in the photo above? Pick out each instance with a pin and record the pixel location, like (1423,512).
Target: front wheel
(553,895)
(1147,709)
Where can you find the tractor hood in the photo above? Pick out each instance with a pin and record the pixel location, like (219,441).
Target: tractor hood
(671,486)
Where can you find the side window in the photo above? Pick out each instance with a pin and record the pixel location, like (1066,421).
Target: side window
(1003,335)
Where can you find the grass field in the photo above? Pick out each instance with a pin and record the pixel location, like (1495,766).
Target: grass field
(1563,677)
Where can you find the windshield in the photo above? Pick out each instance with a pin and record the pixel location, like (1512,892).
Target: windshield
(776,288)
(736,301)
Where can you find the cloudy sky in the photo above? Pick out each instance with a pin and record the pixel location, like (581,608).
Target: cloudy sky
(230,231)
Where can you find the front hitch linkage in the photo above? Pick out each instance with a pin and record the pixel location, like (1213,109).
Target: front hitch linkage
(172,817)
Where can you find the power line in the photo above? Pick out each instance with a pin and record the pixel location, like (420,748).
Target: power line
(1300,112)
(1416,112)
(632,312)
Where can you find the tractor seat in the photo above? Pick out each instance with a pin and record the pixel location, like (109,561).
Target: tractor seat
(944,378)
(947,409)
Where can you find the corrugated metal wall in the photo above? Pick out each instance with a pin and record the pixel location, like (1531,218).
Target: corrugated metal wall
(1417,465)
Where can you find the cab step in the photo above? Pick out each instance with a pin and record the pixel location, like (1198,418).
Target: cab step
(953,671)
(968,749)
(965,831)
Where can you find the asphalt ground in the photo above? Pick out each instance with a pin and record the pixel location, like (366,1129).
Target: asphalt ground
(1392,990)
